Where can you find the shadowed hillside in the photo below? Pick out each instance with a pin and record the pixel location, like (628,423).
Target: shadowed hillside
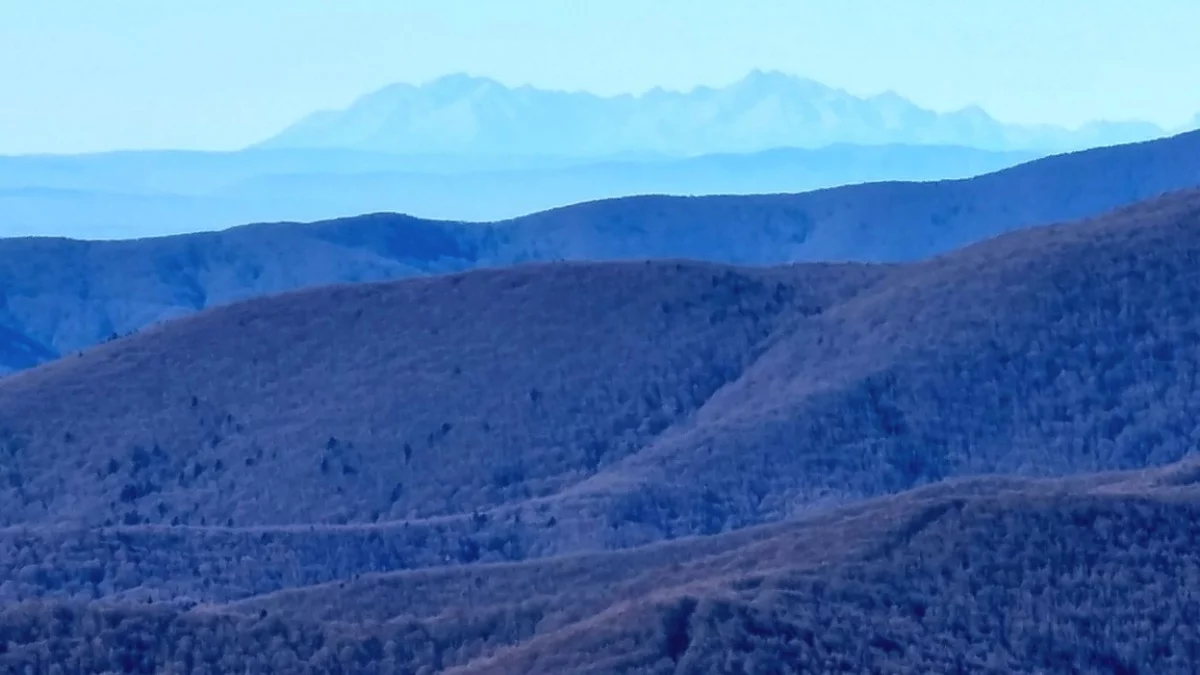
(65,295)
(1063,349)
(506,470)
(1040,577)
(412,399)
(495,415)
(18,352)
(986,575)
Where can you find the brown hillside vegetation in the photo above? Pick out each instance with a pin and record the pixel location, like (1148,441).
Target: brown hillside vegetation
(1090,574)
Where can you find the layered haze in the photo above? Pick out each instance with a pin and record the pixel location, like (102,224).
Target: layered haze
(469,148)
(766,109)
(644,338)
(63,295)
(144,194)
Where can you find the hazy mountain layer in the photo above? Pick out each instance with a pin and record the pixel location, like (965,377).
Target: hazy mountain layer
(142,194)
(460,114)
(65,295)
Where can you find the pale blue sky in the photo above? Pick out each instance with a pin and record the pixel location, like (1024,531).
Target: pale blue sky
(90,75)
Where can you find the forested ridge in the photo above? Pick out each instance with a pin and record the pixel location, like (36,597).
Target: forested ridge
(1091,574)
(973,463)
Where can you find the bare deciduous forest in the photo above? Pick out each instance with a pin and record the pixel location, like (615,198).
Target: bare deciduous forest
(974,463)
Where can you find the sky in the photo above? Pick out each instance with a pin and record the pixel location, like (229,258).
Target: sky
(86,76)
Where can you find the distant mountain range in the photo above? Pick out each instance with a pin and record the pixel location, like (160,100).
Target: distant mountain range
(139,194)
(476,116)
(470,149)
(64,295)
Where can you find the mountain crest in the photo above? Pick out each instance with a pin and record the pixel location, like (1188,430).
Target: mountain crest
(765,109)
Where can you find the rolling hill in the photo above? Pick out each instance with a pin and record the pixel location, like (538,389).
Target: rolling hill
(131,195)
(498,415)
(633,466)
(18,352)
(984,575)
(512,369)
(65,295)
(1039,577)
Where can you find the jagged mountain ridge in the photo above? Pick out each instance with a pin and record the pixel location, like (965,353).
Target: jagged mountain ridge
(462,114)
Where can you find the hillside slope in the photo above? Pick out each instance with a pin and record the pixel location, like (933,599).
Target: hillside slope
(66,295)
(18,352)
(879,222)
(678,398)
(157,193)
(1032,578)
(1050,351)
(412,399)
(986,575)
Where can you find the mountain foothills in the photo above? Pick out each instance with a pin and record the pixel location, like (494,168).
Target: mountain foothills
(124,195)
(976,462)
(461,114)
(1087,575)
(60,295)
(677,398)
(890,428)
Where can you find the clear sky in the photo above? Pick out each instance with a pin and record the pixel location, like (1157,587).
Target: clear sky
(89,75)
